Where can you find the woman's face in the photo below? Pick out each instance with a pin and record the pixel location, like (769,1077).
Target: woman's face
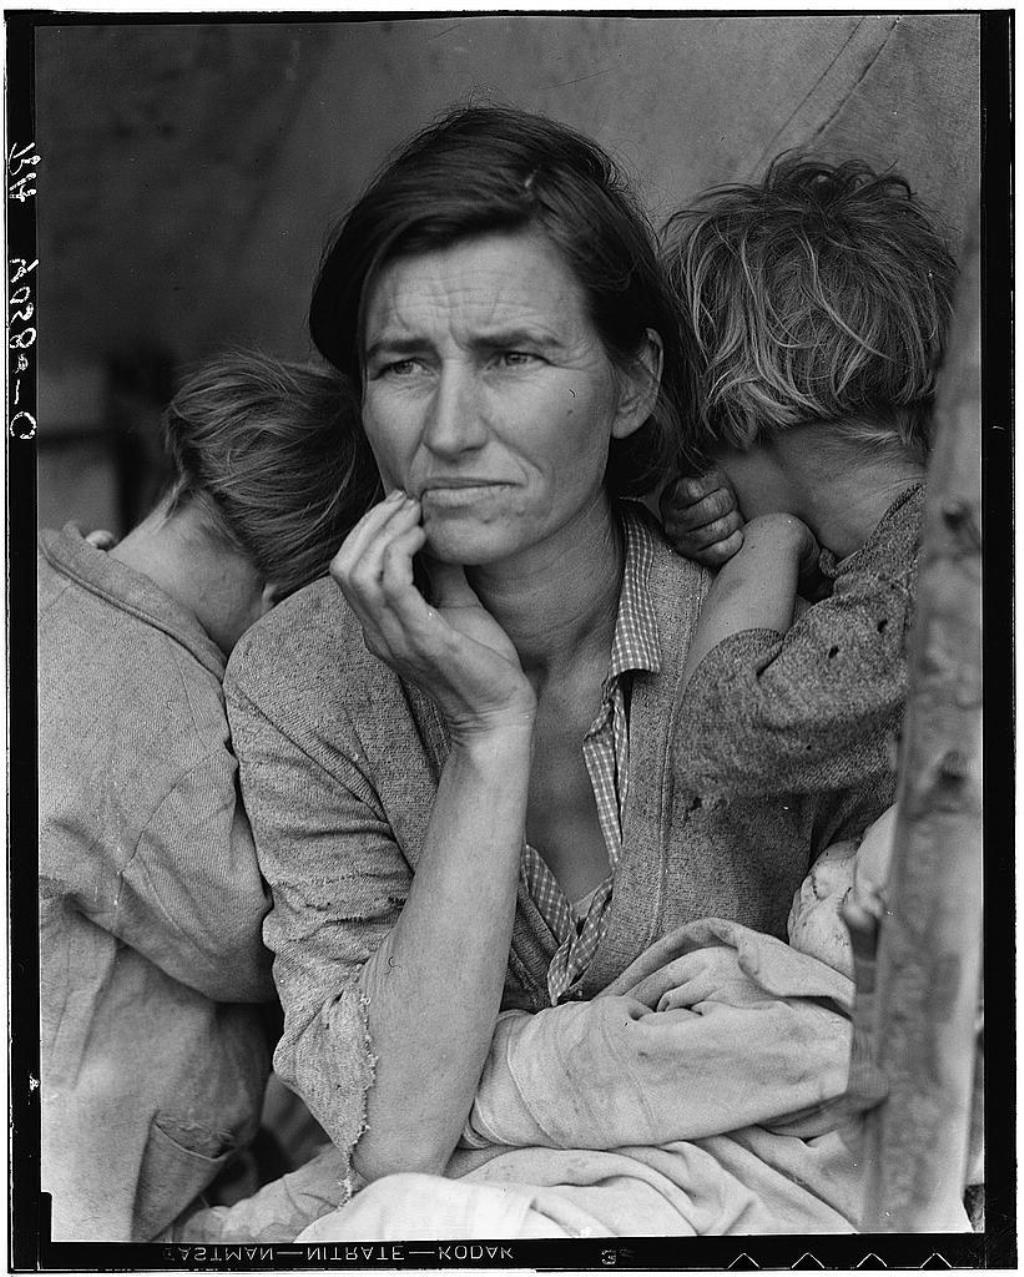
(489,395)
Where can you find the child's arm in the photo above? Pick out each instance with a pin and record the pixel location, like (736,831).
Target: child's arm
(757,587)
(813,708)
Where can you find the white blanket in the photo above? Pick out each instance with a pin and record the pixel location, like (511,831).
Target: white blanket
(701,1094)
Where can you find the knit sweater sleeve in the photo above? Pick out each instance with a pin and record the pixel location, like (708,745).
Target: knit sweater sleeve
(338,880)
(814,710)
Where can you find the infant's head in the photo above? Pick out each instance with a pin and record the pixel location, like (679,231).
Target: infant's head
(816,925)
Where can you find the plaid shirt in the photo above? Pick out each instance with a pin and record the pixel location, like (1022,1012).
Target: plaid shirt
(635,646)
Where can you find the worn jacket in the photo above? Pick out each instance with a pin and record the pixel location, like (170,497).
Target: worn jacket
(818,707)
(340,763)
(154,1049)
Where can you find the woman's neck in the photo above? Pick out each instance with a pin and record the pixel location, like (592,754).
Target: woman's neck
(217,586)
(558,601)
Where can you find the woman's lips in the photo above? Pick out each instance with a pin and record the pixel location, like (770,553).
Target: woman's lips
(460,491)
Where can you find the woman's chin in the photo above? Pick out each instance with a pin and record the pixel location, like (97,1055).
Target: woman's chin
(467,543)
(465,551)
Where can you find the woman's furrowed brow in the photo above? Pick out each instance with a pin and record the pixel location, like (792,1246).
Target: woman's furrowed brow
(396,345)
(519,335)
(483,340)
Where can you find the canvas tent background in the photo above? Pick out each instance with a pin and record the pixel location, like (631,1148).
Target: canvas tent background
(918,1018)
(192,170)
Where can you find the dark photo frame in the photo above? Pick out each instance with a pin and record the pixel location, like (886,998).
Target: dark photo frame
(172,178)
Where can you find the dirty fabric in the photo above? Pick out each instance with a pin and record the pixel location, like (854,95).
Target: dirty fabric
(700,1095)
(154,1045)
(695,1097)
(666,1058)
(817,708)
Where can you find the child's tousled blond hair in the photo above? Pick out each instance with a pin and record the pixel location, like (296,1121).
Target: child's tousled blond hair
(822,293)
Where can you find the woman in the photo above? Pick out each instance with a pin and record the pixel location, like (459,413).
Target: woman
(156,994)
(490,810)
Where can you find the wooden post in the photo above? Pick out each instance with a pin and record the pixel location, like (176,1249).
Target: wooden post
(929,953)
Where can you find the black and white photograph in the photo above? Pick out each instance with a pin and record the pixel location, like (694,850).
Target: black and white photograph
(507,512)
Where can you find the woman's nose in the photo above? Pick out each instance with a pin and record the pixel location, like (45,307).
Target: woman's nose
(455,421)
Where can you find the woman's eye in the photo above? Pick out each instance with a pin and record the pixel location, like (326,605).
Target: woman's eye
(516,358)
(395,368)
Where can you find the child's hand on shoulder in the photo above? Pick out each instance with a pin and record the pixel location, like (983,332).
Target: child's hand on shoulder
(702,518)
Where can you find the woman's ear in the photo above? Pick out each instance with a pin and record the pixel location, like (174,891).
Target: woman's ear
(270,594)
(638,387)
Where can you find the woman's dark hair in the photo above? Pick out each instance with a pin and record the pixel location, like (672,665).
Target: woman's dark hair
(486,169)
(822,293)
(270,454)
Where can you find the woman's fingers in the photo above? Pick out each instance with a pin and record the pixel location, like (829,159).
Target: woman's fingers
(451,647)
(396,560)
(365,532)
(448,585)
(375,573)
(461,609)
(381,545)
(359,564)
(403,613)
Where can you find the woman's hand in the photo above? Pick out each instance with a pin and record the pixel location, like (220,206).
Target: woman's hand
(702,518)
(454,649)
(434,985)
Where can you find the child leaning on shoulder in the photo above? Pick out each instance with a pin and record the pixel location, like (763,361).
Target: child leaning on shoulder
(157,1003)
(816,304)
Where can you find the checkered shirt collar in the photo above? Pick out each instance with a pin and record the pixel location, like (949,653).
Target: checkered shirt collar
(636,644)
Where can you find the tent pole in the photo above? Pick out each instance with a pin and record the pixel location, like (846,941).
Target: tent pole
(926,997)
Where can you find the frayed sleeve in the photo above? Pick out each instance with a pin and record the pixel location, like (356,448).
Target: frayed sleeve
(338,880)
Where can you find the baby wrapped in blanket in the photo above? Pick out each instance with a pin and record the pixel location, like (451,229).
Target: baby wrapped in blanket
(590,1071)
(854,871)
(700,1094)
